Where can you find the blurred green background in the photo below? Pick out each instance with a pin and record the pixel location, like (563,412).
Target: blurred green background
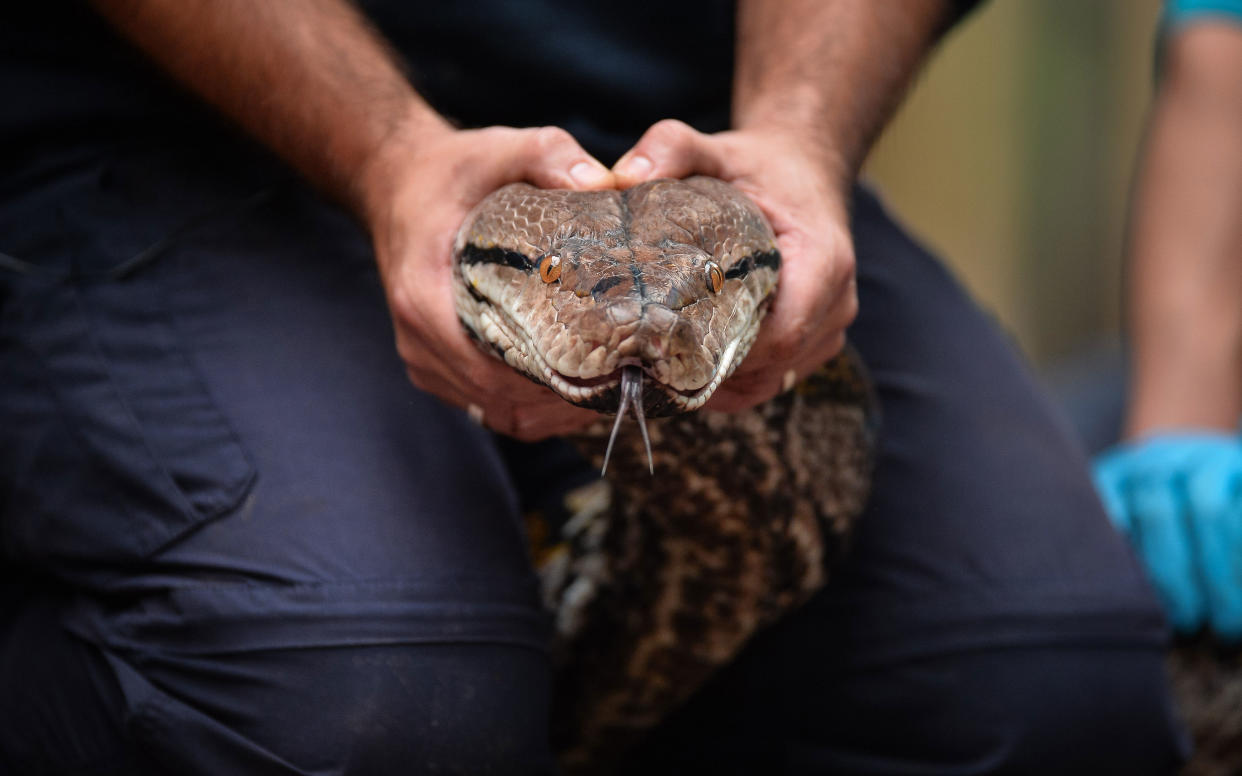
(1012,158)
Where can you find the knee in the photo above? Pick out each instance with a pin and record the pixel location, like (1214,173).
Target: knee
(391,709)
(1084,710)
(456,708)
(1063,710)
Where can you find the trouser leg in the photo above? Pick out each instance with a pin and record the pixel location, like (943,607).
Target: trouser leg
(987,619)
(308,567)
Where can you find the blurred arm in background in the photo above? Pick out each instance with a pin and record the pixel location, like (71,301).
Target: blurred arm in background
(1174,485)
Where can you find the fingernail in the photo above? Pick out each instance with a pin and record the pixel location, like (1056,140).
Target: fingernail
(635,167)
(587,174)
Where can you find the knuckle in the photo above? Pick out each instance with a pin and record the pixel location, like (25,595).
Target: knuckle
(481,375)
(672,131)
(848,306)
(525,427)
(477,373)
(835,344)
(549,139)
(844,266)
(511,423)
(402,305)
(418,378)
(409,353)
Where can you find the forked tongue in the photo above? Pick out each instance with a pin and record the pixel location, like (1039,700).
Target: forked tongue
(631,395)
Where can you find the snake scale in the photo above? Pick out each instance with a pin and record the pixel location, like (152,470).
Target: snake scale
(709,526)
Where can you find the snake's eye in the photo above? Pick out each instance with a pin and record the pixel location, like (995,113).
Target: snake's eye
(715,276)
(550,268)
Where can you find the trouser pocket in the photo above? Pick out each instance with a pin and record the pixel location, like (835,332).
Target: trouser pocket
(110,445)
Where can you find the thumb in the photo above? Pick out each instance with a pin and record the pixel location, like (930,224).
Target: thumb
(550,158)
(669,149)
(1108,472)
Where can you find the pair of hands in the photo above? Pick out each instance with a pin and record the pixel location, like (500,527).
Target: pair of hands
(429,183)
(1178,498)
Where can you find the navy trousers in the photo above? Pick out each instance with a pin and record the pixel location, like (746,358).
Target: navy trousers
(237,541)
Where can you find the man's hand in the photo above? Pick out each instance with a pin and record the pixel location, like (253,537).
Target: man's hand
(1178,498)
(802,199)
(815,81)
(418,191)
(314,81)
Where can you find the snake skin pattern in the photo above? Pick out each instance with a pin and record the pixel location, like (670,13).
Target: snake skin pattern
(657,580)
(1206,678)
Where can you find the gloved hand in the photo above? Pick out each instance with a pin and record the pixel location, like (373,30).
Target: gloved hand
(1178,497)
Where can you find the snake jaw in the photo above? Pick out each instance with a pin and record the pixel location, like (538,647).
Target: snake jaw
(631,395)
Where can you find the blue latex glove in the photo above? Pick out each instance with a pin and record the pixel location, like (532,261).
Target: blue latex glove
(1178,498)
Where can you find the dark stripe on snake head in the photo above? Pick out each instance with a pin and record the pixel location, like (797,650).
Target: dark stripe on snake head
(770,259)
(473,254)
(603,285)
(492,346)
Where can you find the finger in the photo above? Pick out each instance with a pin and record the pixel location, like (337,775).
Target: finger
(550,157)
(669,149)
(1108,474)
(788,328)
(759,384)
(431,381)
(549,415)
(430,339)
(507,401)
(430,336)
(771,368)
(1161,535)
(455,369)
(532,424)
(1216,525)
(788,340)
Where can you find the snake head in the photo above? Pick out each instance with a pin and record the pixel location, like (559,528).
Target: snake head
(670,278)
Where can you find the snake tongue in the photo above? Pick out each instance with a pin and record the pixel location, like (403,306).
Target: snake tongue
(631,395)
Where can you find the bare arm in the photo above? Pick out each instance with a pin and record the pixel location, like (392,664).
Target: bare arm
(313,81)
(814,84)
(1185,283)
(830,72)
(1171,487)
(308,78)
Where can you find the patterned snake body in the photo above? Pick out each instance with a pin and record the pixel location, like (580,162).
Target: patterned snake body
(652,296)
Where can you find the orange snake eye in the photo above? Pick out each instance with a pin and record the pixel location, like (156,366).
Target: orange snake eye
(550,268)
(715,276)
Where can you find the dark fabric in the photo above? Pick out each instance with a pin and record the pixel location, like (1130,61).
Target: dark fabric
(987,619)
(235,540)
(368,608)
(363,603)
(603,70)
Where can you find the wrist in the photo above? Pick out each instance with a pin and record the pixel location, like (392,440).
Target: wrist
(1149,420)
(1178,407)
(1185,375)
(802,135)
(794,149)
(385,168)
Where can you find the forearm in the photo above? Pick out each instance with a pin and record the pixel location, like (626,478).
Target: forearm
(1185,281)
(308,78)
(830,72)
